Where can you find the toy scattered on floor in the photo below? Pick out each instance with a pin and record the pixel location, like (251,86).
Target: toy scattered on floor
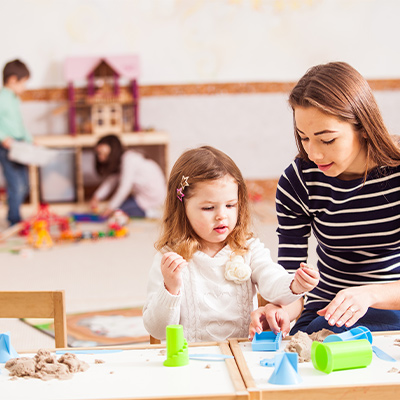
(7,351)
(87,217)
(177,347)
(38,227)
(266,341)
(39,235)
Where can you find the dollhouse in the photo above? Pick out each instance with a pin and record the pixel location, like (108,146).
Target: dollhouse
(105,106)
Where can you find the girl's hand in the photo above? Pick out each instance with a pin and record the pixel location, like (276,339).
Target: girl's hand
(271,317)
(171,269)
(348,306)
(305,279)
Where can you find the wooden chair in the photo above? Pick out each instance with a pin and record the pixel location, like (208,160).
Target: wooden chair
(37,304)
(261,302)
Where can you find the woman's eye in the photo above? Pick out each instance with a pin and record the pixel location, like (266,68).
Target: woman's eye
(328,141)
(303,139)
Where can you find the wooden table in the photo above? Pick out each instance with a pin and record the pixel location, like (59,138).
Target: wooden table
(136,372)
(371,383)
(155,144)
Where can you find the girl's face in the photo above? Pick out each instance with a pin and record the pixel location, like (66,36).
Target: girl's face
(103,151)
(212,211)
(330,143)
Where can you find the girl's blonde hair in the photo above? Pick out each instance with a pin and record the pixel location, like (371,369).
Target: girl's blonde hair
(199,165)
(339,90)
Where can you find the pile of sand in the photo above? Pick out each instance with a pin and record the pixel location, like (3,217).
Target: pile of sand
(45,366)
(301,343)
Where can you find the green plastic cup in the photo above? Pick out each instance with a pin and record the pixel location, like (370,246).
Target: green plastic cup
(177,347)
(336,356)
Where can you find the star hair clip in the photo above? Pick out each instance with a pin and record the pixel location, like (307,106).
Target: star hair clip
(179,191)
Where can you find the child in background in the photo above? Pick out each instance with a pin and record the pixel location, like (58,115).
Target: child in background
(209,265)
(15,76)
(139,182)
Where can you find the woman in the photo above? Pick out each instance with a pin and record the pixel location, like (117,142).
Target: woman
(138,183)
(344,186)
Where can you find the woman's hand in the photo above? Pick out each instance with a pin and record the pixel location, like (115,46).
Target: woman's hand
(348,306)
(94,204)
(305,279)
(171,269)
(271,317)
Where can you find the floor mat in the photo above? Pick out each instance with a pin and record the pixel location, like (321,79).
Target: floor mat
(99,328)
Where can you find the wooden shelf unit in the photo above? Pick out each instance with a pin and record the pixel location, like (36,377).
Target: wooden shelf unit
(154,144)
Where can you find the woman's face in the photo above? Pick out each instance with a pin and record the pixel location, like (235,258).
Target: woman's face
(332,144)
(103,151)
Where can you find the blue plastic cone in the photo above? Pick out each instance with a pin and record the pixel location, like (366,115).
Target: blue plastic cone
(6,350)
(285,372)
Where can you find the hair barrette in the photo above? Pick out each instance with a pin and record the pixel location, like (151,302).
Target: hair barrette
(184,183)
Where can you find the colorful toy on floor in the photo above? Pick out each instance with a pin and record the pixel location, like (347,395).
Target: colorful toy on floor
(7,351)
(177,347)
(88,217)
(335,356)
(39,235)
(266,341)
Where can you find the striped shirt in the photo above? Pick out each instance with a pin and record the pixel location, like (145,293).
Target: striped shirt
(356,224)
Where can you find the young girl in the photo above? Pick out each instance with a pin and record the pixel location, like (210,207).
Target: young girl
(139,182)
(208,266)
(344,186)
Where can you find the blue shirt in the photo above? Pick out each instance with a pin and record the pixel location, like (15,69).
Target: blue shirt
(356,224)
(11,124)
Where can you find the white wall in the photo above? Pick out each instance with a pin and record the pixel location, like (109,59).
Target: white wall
(186,41)
(195,41)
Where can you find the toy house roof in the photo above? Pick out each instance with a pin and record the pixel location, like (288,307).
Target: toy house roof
(78,68)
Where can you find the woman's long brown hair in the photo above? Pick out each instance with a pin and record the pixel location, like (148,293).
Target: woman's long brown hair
(339,90)
(113,163)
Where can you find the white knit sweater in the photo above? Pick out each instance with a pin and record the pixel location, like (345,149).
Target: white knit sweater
(210,307)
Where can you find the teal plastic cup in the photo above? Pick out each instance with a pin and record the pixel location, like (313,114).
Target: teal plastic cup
(357,333)
(177,347)
(336,356)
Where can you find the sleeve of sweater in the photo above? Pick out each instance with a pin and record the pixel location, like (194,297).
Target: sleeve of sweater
(294,217)
(272,280)
(161,307)
(106,187)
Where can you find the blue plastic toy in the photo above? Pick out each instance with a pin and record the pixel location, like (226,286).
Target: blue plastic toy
(6,350)
(357,333)
(285,372)
(266,341)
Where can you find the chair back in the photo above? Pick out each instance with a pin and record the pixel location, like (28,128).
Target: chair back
(37,304)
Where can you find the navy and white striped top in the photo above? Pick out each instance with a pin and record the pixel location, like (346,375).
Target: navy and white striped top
(356,224)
